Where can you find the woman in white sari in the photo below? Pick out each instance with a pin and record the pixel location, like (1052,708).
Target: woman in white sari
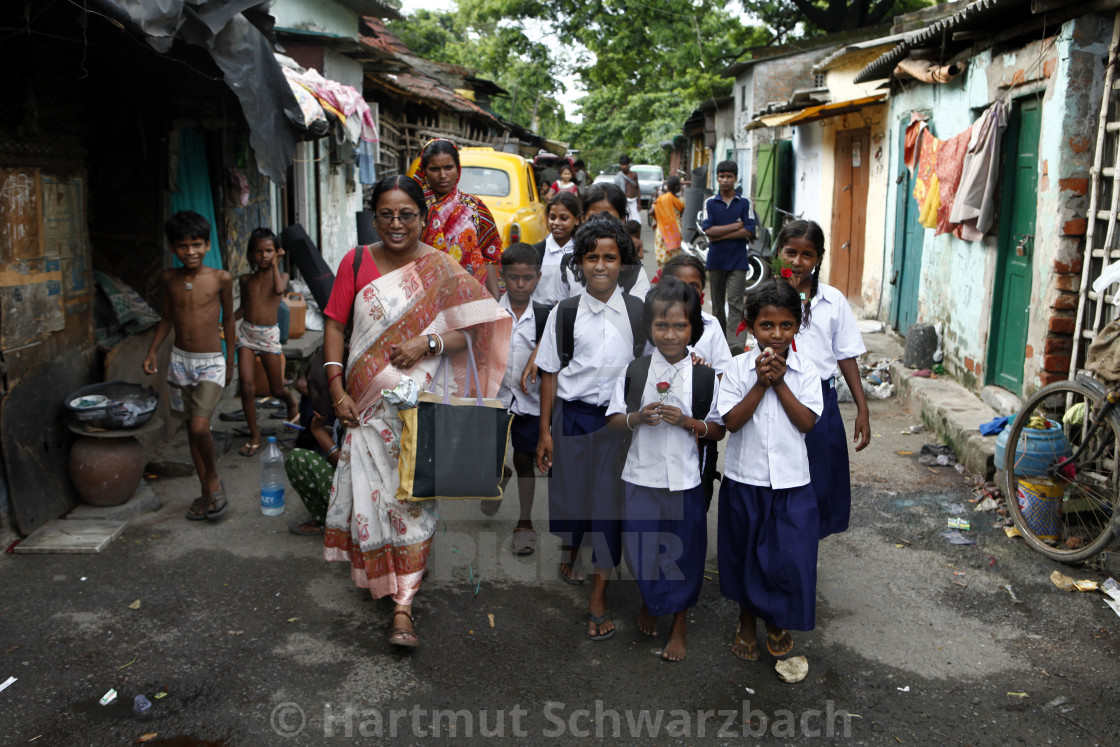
(411,305)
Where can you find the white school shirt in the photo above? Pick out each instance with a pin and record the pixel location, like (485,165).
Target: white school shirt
(832,334)
(522,342)
(604,346)
(663,456)
(550,290)
(769,450)
(712,345)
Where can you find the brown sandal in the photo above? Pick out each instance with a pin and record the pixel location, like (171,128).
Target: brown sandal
(752,650)
(777,640)
(402,637)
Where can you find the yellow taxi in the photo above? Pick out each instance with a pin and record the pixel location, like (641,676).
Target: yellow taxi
(506,183)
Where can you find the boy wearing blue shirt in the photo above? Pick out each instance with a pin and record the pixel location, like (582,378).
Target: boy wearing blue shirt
(729,226)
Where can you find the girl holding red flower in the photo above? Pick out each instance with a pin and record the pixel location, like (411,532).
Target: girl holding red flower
(832,341)
(664,514)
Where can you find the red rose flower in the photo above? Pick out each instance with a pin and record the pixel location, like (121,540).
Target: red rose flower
(787,272)
(662,387)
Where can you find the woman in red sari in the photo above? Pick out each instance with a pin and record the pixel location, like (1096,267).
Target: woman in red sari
(411,305)
(458,223)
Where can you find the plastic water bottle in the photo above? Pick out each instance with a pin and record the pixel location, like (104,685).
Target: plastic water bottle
(272,479)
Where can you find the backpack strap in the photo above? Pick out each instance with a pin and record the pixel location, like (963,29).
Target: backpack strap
(539,246)
(703,391)
(540,317)
(636,373)
(634,309)
(566,329)
(565,263)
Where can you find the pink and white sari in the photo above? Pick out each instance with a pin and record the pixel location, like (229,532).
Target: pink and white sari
(387,541)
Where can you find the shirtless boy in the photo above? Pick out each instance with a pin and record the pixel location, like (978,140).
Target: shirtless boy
(195,297)
(259,333)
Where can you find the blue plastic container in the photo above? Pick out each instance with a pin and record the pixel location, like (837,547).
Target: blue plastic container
(1036,451)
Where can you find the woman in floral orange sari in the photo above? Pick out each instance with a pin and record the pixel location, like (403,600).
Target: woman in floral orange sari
(412,305)
(458,223)
(667,209)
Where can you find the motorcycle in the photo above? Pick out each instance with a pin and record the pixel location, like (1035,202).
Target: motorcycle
(759,250)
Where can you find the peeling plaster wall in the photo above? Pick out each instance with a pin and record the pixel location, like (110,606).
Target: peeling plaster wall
(808,155)
(339,190)
(957,277)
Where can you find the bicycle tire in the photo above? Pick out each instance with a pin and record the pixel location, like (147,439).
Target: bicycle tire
(757,271)
(1086,520)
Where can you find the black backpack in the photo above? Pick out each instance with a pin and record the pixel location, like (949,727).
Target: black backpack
(566,326)
(540,318)
(565,263)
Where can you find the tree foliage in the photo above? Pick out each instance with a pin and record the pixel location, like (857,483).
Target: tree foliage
(647,63)
(794,18)
(499,52)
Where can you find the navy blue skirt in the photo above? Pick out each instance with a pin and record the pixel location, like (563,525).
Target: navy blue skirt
(525,432)
(665,537)
(583,492)
(827,445)
(768,552)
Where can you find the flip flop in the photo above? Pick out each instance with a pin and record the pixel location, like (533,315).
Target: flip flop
(599,620)
(306,528)
(752,652)
(232,417)
(197,510)
(524,541)
(249,450)
(402,637)
(573,579)
(772,640)
(216,511)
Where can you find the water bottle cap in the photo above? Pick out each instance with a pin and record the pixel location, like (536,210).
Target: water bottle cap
(272,439)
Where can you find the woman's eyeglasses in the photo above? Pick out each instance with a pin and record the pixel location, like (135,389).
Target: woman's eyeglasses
(406,219)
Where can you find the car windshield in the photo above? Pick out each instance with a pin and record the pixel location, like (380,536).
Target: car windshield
(478,180)
(648,173)
(612,169)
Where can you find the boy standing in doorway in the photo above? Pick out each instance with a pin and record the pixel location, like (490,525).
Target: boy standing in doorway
(729,226)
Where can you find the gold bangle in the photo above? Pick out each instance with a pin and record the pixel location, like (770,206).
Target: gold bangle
(336,404)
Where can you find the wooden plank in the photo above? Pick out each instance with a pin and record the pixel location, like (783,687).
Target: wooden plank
(71,536)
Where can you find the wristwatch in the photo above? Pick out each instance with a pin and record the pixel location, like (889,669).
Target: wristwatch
(431,344)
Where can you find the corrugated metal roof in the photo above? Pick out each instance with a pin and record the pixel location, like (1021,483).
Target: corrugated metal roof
(813,113)
(972,13)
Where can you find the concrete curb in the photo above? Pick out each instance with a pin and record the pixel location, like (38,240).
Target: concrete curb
(953,413)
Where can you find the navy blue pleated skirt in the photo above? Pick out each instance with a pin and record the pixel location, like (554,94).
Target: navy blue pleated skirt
(768,552)
(583,492)
(665,538)
(827,445)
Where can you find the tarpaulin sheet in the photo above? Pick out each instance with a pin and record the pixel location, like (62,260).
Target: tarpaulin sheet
(236,34)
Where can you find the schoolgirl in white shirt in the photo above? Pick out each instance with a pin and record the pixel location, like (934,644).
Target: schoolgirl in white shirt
(564,214)
(664,516)
(830,339)
(769,398)
(575,446)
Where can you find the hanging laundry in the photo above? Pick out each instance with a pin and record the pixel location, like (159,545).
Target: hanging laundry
(939,166)
(975,206)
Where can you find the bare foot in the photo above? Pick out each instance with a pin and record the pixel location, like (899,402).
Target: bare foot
(647,623)
(674,649)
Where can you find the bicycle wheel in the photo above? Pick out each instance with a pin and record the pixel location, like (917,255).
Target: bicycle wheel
(1066,512)
(756,272)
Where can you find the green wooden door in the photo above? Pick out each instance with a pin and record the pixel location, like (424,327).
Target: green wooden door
(766,184)
(1011,297)
(909,236)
